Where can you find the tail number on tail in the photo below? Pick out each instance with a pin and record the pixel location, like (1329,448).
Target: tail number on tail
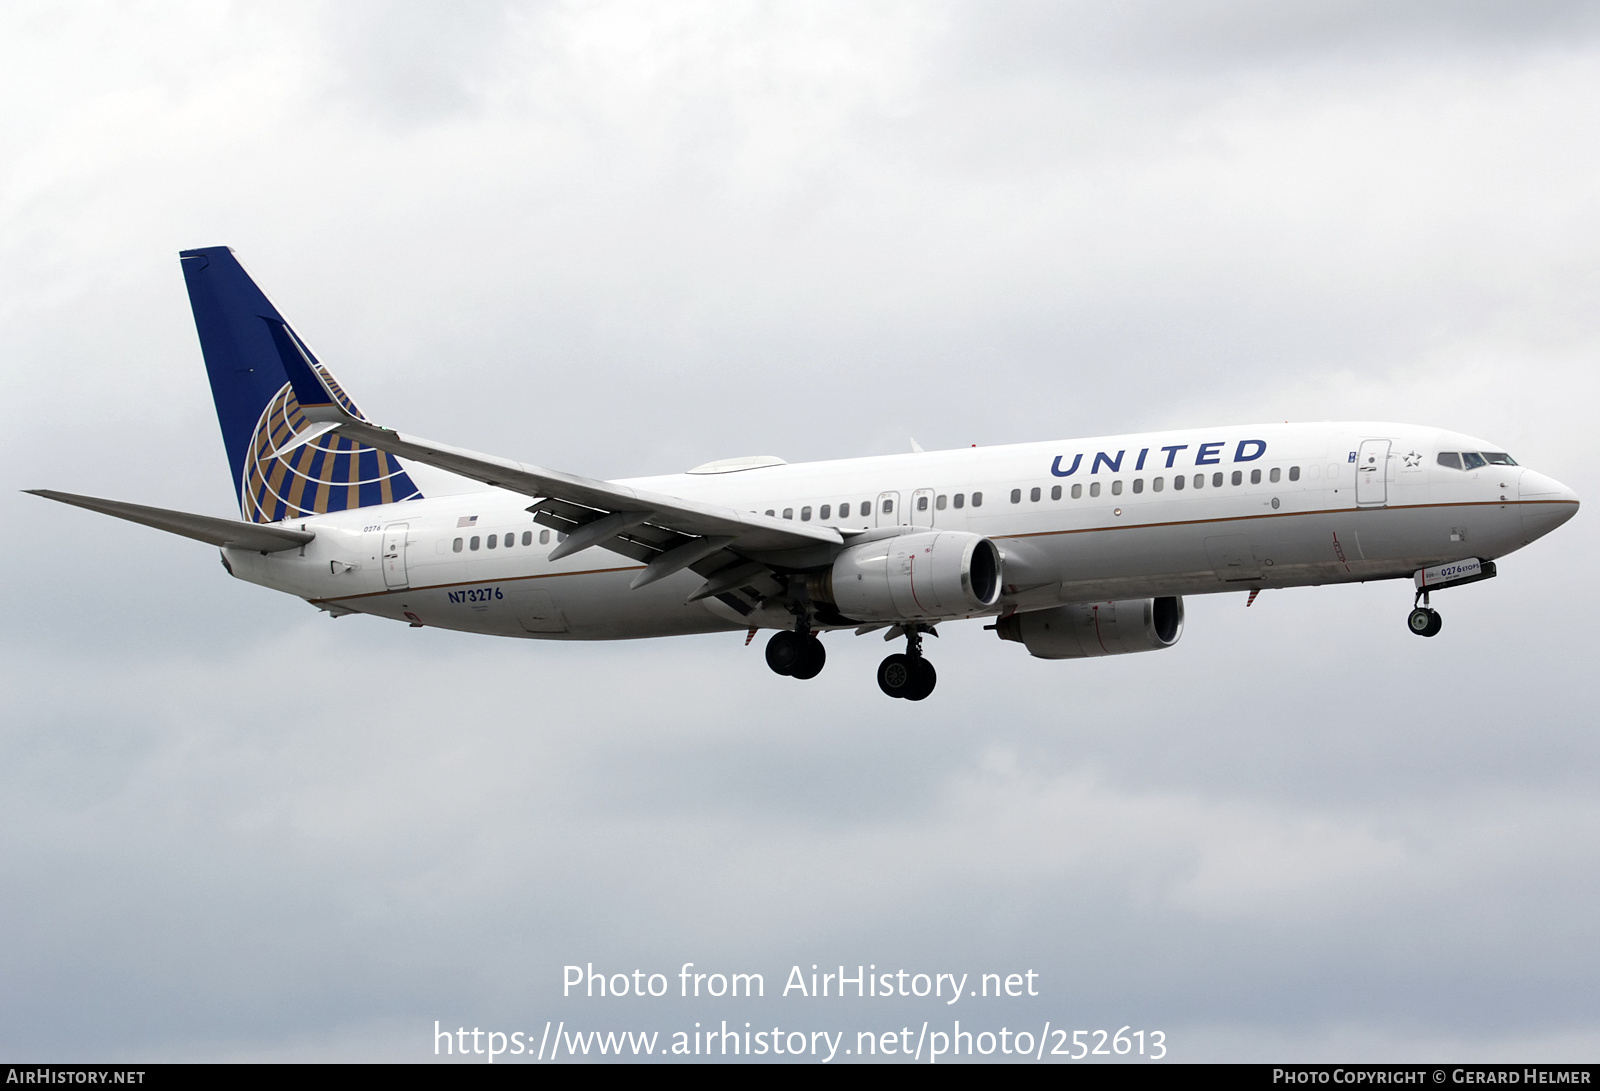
(477,594)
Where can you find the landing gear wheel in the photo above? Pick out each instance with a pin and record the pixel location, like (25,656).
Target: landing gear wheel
(1425,621)
(812,657)
(895,675)
(784,651)
(923,679)
(908,676)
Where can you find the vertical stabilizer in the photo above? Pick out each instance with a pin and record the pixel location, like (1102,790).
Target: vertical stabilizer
(243,339)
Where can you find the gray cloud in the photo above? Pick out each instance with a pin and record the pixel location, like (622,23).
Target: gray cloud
(624,239)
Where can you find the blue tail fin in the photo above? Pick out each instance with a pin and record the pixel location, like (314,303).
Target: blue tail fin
(242,335)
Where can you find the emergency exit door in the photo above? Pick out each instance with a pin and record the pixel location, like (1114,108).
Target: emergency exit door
(889,510)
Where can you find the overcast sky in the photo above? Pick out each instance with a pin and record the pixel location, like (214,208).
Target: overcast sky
(625,238)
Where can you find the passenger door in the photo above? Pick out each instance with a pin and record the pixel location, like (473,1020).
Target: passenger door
(394,556)
(1372,473)
(922,508)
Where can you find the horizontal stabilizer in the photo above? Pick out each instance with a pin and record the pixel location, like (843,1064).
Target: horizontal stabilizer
(202,528)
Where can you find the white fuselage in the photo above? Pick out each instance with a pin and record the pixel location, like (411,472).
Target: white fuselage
(1304,511)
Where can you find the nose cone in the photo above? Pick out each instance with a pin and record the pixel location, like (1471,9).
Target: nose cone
(1547,503)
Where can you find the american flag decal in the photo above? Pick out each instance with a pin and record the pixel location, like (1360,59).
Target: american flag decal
(466,521)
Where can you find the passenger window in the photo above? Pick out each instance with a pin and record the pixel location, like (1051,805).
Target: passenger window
(456,545)
(1179,481)
(961,499)
(1077,491)
(1094,488)
(1116,488)
(1238,477)
(922,503)
(1472,459)
(561,536)
(865,508)
(1216,480)
(805,514)
(771,512)
(1294,473)
(844,511)
(826,508)
(544,537)
(977,499)
(491,541)
(888,506)
(1016,496)
(939,503)
(474,543)
(1199,480)
(527,537)
(1034,494)
(1156,485)
(1055,493)
(1255,477)
(1274,475)
(1138,484)
(788,513)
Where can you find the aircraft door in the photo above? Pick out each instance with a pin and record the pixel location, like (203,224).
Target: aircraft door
(888,509)
(922,508)
(394,556)
(1372,473)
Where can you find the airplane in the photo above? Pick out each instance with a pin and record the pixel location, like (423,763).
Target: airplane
(1074,548)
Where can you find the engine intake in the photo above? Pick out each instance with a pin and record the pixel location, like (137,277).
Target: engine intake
(1086,629)
(923,576)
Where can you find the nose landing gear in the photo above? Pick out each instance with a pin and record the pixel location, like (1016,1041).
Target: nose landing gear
(1424,620)
(909,675)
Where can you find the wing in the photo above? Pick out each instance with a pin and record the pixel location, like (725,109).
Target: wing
(202,528)
(735,550)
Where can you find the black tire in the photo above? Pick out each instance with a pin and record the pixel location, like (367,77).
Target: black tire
(923,679)
(784,651)
(812,658)
(1434,625)
(1420,620)
(895,675)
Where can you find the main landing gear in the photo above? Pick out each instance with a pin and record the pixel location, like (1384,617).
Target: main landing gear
(1424,620)
(909,676)
(796,654)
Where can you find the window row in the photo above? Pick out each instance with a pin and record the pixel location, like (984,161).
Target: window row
(1158,484)
(959,500)
(505,541)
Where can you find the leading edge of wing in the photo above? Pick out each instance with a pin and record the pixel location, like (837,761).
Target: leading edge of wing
(202,528)
(750,533)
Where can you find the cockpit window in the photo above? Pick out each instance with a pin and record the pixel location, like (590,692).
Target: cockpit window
(1498,458)
(1472,459)
(1451,459)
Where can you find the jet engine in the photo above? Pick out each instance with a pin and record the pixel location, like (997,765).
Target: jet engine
(922,576)
(1085,629)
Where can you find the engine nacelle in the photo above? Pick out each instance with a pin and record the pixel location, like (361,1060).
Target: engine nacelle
(922,576)
(1085,629)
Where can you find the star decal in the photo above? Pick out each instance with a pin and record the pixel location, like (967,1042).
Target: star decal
(1413,460)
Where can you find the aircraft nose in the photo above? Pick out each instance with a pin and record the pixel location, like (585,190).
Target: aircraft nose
(1547,503)
(1533,485)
